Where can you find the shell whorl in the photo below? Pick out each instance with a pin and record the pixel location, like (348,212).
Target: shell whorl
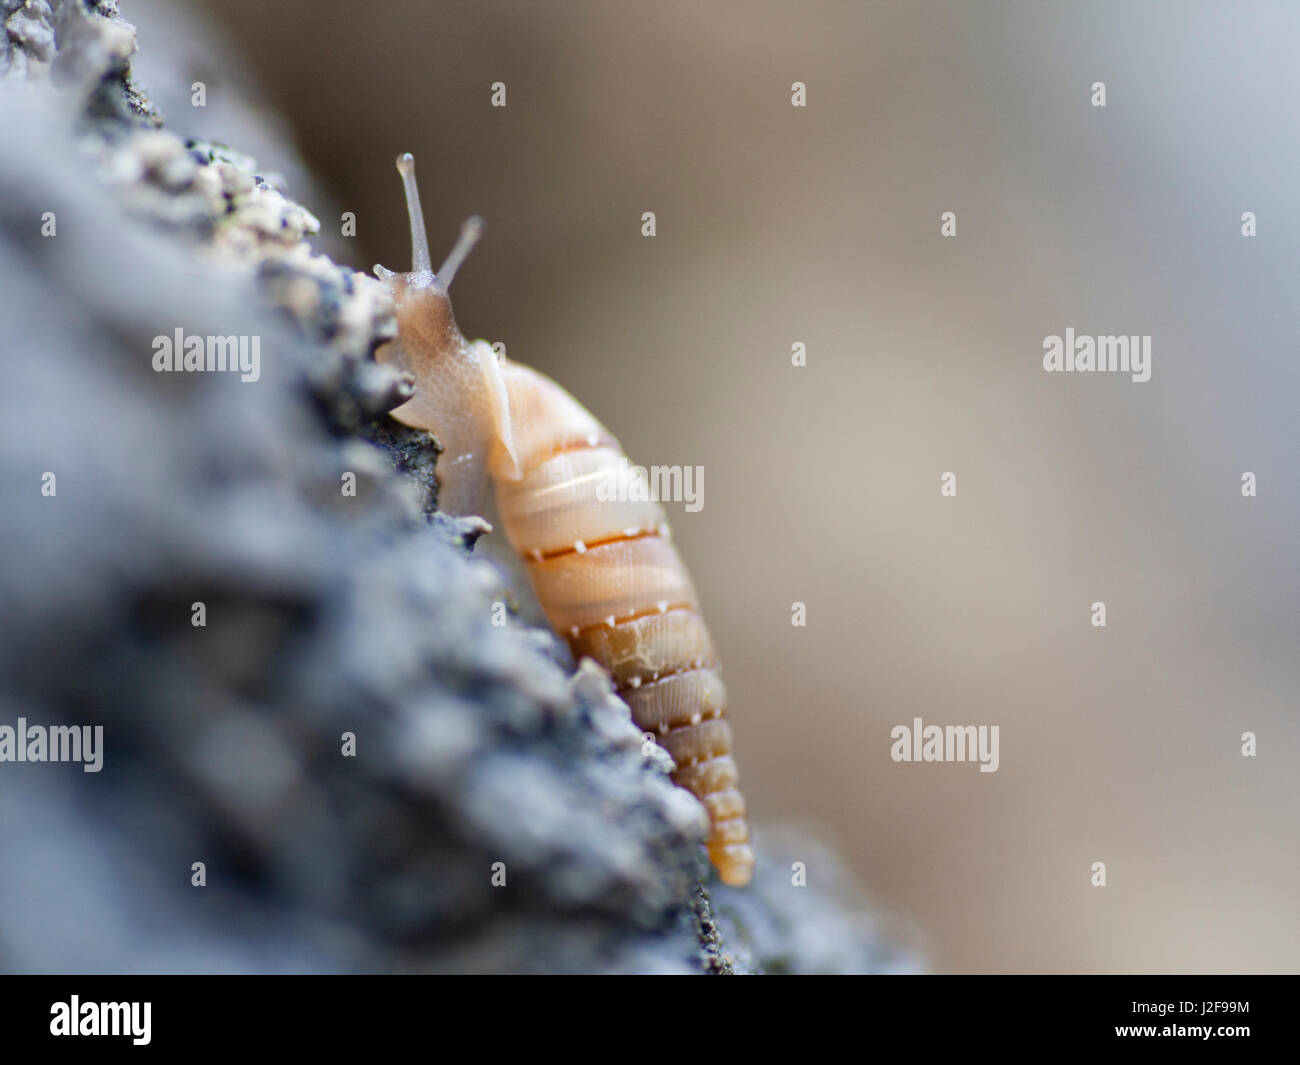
(611,582)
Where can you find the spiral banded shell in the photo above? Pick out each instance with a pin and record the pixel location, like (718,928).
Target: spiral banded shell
(610,580)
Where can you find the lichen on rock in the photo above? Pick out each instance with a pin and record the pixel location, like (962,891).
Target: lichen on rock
(374,774)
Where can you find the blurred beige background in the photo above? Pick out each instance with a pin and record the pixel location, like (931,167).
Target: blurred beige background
(821,225)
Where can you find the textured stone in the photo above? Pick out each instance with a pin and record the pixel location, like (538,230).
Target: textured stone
(478,750)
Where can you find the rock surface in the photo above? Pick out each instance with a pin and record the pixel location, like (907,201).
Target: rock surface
(375,776)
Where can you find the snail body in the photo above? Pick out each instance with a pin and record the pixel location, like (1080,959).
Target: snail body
(603,567)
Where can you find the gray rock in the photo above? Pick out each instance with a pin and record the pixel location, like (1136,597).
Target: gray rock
(498,812)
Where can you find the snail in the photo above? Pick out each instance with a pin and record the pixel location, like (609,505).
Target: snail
(604,570)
